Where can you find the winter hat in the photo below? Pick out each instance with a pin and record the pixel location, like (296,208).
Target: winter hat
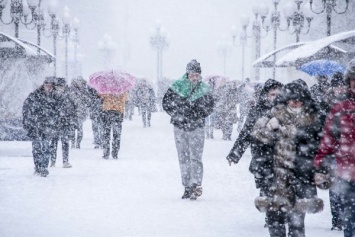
(295,91)
(301,82)
(350,72)
(61,81)
(49,80)
(193,66)
(337,80)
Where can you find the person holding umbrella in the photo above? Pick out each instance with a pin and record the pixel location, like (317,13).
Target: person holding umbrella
(113,87)
(189,101)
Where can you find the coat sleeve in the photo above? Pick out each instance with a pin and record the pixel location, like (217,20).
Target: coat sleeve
(329,143)
(244,137)
(170,102)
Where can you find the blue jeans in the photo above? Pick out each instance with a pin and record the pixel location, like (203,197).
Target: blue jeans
(41,153)
(346,191)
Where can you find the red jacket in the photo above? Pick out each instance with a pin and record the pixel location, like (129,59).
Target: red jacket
(339,138)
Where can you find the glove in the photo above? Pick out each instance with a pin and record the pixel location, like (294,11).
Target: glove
(233,158)
(273,124)
(322,181)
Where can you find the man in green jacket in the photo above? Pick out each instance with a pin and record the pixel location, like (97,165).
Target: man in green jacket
(189,101)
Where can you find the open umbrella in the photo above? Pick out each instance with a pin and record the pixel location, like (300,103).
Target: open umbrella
(112,82)
(215,81)
(322,67)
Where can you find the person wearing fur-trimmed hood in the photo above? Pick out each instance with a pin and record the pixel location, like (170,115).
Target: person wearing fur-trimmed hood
(292,127)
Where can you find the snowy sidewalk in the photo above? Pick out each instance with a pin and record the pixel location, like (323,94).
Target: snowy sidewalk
(137,195)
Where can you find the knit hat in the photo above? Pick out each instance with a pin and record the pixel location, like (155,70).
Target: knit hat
(350,72)
(295,91)
(193,66)
(61,81)
(301,82)
(50,80)
(337,80)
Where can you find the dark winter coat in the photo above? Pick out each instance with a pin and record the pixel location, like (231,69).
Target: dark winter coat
(226,100)
(262,161)
(339,138)
(295,143)
(95,106)
(188,110)
(67,117)
(40,115)
(146,97)
(81,101)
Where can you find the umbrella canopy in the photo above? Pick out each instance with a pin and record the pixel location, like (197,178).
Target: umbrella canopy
(322,68)
(112,82)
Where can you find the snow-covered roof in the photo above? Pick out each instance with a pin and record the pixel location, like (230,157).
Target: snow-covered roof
(27,48)
(263,59)
(312,48)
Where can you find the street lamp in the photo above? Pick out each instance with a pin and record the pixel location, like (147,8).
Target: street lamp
(159,41)
(297,16)
(76,26)
(243,43)
(329,6)
(19,12)
(224,49)
(108,49)
(66,33)
(259,10)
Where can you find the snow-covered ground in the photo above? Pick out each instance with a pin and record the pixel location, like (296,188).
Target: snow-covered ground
(137,195)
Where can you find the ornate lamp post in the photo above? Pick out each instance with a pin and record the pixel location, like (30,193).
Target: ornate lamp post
(224,49)
(108,49)
(329,6)
(76,26)
(243,43)
(19,12)
(66,33)
(298,15)
(262,11)
(159,41)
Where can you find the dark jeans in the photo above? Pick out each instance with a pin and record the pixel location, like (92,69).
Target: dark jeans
(97,130)
(65,148)
(41,153)
(112,120)
(277,220)
(146,115)
(347,194)
(335,208)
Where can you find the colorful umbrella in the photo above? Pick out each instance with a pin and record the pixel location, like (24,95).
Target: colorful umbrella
(112,82)
(322,68)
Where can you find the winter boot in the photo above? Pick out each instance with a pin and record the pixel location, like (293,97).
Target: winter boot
(43,172)
(187,193)
(72,145)
(36,171)
(78,145)
(67,165)
(96,146)
(196,192)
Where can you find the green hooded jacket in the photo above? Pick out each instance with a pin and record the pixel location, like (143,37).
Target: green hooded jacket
(184,86)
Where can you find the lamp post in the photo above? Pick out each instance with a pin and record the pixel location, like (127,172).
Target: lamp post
(298,15)
(329,6)
(66,34)
(19,12)
(224,49)
(243,43)
(159,41)
(108,49)
(259,10)
(76,26)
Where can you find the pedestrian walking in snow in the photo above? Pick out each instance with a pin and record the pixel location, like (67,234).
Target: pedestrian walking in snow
(245,95)
(339,140)
(146,100)
(66,122)
(40,113)
(189,101)
(292,128)
(79,94)
(261,164)
(96,114)
(129,108)
(113,110)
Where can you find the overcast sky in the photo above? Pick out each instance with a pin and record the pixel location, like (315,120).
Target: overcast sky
(194,26)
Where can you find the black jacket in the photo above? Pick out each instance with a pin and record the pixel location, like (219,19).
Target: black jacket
(40,115)
(187,115)
(261,163)
(67,117)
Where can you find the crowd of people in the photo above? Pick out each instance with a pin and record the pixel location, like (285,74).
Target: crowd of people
(300,138)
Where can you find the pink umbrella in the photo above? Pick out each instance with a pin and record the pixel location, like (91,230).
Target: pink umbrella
(112,82)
